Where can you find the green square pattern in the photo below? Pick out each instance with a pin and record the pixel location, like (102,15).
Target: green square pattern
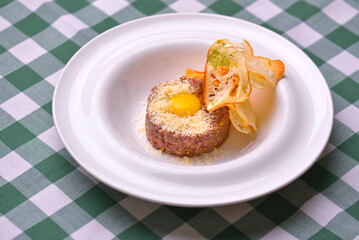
(95,201)
(54,167)
(5,2)
(185,213)
(276,208)
(105,25)
(149,7)
(86,202)
(225,7)
(343,37)
(32,25)
(138,231)
(324,234)
(15,135)
(65,51)
(163,221)
(354,210)
(23,78)
(231,233)
(10,198)
(48,107)
(46,229)
(350,147)
(319,178)
(348,89)
(2,49)
(204,219)
(72,6)
(302,10)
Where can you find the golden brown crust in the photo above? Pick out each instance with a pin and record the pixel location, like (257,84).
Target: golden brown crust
(205,80)
(278,68)
(272,70)
(223,88)
(248,48)
(228,103)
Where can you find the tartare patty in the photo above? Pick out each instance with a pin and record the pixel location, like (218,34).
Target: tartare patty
(190,135)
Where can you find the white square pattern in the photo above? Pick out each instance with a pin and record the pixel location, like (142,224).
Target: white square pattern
(50,200)
(92,231)
(352,178)
(340,11)
(350,117)
(12,166)
(19,106)
(33,4)
(264,9)
(7,229)
(233,212)
(304,35)
(187,6)
(184,232)
(27,51)
(345,62)
(110,6)
(52,139)
(68,25)
(4,23)
(321,209)
(279,234)
(138,208)
(52,79)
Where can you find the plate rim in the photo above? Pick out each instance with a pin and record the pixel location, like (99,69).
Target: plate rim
(193,204)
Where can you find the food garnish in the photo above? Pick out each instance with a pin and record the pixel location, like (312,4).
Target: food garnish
(230,73)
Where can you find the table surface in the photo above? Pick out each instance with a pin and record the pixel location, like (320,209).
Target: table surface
(44,194)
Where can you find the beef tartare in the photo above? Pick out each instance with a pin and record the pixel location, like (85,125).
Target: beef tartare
(177,121)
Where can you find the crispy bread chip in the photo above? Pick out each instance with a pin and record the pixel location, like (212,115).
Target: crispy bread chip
(230,72)
(243,46)
(261,68)
(257,80)
(226,79)
(271,70)
(242,117)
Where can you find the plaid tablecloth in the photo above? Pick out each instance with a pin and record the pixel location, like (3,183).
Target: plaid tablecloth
(44,194)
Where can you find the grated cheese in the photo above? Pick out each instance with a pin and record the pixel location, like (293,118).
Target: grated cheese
(162,115)
(205,159)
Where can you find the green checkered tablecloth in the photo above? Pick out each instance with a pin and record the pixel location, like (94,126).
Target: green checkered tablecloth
(44,194)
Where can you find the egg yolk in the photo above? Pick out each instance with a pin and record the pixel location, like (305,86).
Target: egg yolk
(184,104)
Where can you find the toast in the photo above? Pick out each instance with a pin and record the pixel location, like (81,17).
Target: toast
(261,68)
(242,117)
(230,73)
(270,70)
(226,79)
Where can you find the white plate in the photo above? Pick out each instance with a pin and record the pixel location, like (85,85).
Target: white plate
(98,96)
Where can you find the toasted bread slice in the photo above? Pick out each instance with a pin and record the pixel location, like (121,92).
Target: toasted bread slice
(242,117)
(271,70)
(226,79)
(257,80)
(244,46)
(261,68)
